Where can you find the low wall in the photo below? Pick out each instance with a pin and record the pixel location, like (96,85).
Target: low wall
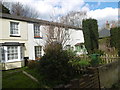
(109,74)
(12,65)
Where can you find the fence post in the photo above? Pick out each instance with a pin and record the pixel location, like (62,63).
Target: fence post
(98,78)
(75,83)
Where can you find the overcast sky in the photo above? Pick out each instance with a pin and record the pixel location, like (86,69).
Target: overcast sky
(102,10)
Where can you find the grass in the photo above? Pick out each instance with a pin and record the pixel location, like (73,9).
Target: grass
(16,79)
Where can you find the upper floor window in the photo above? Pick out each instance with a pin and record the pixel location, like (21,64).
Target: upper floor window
(37,31)
(14,30)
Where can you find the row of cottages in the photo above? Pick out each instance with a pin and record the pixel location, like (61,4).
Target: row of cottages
(22,37)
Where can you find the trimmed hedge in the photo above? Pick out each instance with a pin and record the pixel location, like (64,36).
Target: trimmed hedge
(91,36)
(115,38)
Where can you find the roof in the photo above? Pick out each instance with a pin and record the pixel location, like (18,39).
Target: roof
(79,44)
(104,33)
(33,20)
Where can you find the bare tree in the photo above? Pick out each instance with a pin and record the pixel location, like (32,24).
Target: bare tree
(74,18)
(57,34)
(17,8)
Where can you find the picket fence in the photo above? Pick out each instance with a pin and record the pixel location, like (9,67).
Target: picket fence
(105,59)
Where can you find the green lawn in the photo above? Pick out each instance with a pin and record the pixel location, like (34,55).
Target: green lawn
(16,79)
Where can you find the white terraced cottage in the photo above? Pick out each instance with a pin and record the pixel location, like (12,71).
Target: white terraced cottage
(22,37)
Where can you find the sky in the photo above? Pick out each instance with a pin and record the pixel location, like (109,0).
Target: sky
(102,10)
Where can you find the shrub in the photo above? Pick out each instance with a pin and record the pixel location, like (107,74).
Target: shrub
(54,64)
(84,63)
(32,64)
(71,53)
(77,62)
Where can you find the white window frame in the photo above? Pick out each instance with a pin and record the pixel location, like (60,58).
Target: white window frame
(40,52)
(2,53)
(18,27)
(13,60)
(37,30)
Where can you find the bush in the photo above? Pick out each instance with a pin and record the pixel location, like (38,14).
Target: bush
(84,63)
(54,64)
(77,62)
(32,64)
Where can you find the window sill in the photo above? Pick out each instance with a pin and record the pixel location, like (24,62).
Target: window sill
(15,60)
(38,37)
(15,36)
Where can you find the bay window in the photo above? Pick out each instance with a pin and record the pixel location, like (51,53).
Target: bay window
(12,52)
(2,54)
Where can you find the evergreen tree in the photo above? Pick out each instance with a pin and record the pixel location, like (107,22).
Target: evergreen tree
(115,41)
(91,36)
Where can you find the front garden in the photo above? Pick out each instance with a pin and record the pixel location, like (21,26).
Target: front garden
(59,66)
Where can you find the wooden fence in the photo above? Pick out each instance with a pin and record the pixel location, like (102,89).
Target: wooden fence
(91,75)
(90,80)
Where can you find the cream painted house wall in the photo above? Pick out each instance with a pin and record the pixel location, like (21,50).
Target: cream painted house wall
(5,33)
(5,37)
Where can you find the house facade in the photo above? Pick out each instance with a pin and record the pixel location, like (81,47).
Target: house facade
(13,41)
(23,37)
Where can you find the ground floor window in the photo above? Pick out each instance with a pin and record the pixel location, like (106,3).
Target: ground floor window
(21,52)
(38,52)
(11,53)
(2,54)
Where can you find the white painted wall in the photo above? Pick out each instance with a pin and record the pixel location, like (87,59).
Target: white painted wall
(76,36)
(32,42)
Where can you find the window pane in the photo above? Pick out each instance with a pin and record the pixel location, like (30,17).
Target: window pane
(13,28)
(38,51)
(12,52)
(2,54)
(36,30)
(21,52)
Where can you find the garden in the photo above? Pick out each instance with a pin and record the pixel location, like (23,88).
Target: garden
(59,66)
(56,67)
